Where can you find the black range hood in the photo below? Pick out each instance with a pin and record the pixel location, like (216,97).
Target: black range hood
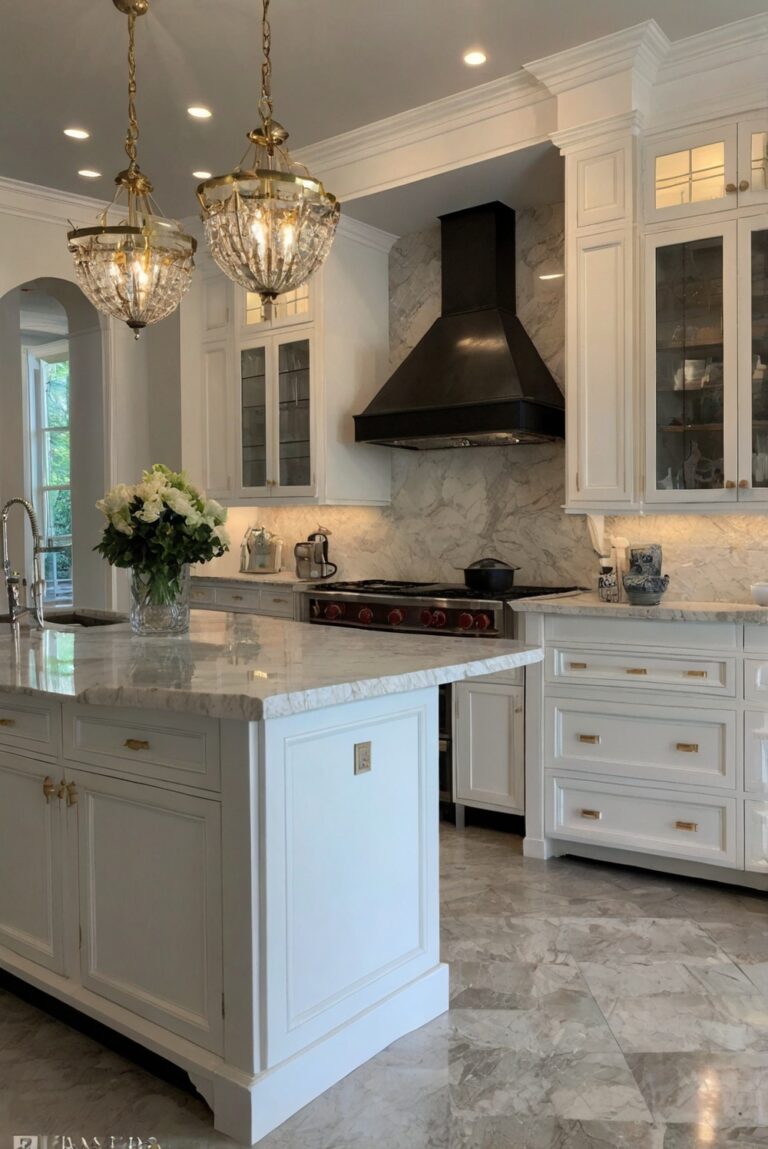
(475,379)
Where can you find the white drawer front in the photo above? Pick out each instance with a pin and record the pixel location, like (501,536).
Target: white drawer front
(670,822)
(239,598)
(637,633)
(181,748)
(635,670)
(756,836)
(277,602)
(642,742)
(30,724)
(201,596)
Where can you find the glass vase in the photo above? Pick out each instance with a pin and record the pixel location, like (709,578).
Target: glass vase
(159,602)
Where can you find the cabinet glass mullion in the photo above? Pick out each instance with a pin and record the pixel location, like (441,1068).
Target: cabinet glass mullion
(690,400)
(759,356)
(294,414)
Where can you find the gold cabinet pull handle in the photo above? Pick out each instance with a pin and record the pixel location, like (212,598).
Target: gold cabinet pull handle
(577,666)
(687,747)
(136,744)
(49,788)
(279,601)
(594,739)
(237,598)
(595,815)
(7,721)
(636,670)
(692,827)
(72,795)
(62,791)
(729,483)
(697,674)
(743,185)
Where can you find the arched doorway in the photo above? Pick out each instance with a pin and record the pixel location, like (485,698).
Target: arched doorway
(52,433)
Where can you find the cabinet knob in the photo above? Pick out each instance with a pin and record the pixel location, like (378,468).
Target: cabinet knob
(731,189)
(49,788)
(743,484)
(729,484)
(744,185)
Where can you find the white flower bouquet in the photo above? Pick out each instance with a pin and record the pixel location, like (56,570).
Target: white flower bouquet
(157,528)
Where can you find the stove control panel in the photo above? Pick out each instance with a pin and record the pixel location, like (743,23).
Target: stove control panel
(415,616)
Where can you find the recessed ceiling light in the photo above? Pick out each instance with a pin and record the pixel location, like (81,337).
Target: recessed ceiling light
(475,58)
(77,133)
(89,174)
(202,175)
(553,275)
(198,112)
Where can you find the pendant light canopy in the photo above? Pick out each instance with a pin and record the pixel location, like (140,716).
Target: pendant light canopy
(269,224)
(138,269)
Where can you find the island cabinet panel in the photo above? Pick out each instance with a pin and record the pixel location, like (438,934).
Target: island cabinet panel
(150,892)
(30,724)
(178,748)
(351,798)
(31,892)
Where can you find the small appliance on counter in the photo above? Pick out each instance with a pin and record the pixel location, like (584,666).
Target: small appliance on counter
(312,557)
(261,552)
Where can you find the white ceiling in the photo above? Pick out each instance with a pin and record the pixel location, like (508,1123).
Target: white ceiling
(338,64)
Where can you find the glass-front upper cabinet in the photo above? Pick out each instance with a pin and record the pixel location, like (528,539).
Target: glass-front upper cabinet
(276,417)
(753,359)
(691,358)
(691,175)
(288,309)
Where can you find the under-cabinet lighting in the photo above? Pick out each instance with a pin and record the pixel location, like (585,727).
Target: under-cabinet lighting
(553,275)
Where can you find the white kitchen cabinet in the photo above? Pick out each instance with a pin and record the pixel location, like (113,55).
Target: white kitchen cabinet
(707,169)
(269,399)
(259,597)
(31,860)
(756,836)
(149,879)
(489,746)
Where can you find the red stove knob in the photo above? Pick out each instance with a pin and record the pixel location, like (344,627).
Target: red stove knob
(439,618)
(366,615)
(334,610)
(465,620)
(482,622)
(426,617)
(395,617)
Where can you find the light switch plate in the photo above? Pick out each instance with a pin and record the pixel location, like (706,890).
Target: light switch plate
(362,758)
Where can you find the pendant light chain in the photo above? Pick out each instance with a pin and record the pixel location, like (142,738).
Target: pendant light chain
(266,70)
(132,134)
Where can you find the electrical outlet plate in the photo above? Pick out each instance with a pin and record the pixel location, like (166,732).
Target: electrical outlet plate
(362,758)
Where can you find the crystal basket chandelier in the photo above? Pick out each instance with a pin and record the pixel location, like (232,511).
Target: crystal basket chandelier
(269,224)
(138,269)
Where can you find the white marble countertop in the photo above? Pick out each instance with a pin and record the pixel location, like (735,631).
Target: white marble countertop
(282,578)
(242,666)
(581,602)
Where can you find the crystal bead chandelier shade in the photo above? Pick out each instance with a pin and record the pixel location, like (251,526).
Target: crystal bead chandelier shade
(138,269)
(269,224)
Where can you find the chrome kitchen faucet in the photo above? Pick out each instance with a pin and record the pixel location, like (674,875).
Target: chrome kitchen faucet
(14,581)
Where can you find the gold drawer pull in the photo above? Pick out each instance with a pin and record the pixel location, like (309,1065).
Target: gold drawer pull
(594,739)
(7,721)
(691,826)
(696,674)
(136,744)
(594,814)
(636,670)
(687,747)
(237,598)
(577,666)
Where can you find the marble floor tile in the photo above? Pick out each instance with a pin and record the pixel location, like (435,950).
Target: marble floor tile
(719,1090)
(688,1022)
(592,1007)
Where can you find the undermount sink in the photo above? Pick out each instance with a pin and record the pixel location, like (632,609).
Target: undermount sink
(80,617)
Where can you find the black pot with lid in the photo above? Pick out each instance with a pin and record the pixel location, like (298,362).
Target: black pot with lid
(490,576)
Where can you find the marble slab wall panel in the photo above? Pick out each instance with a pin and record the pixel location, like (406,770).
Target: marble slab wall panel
(451,507)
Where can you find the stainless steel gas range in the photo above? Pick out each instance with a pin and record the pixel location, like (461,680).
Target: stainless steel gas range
(420,608)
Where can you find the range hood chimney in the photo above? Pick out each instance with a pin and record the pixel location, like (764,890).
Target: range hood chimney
(475,379)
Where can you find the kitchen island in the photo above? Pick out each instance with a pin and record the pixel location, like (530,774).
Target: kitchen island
(224,845)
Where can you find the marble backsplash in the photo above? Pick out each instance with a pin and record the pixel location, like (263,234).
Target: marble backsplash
(451,507)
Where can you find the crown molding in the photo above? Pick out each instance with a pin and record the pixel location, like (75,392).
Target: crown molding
(365,234)
(416,125)
(741,102)
(641,48)
(728,44)
(49,205)
(600,131)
